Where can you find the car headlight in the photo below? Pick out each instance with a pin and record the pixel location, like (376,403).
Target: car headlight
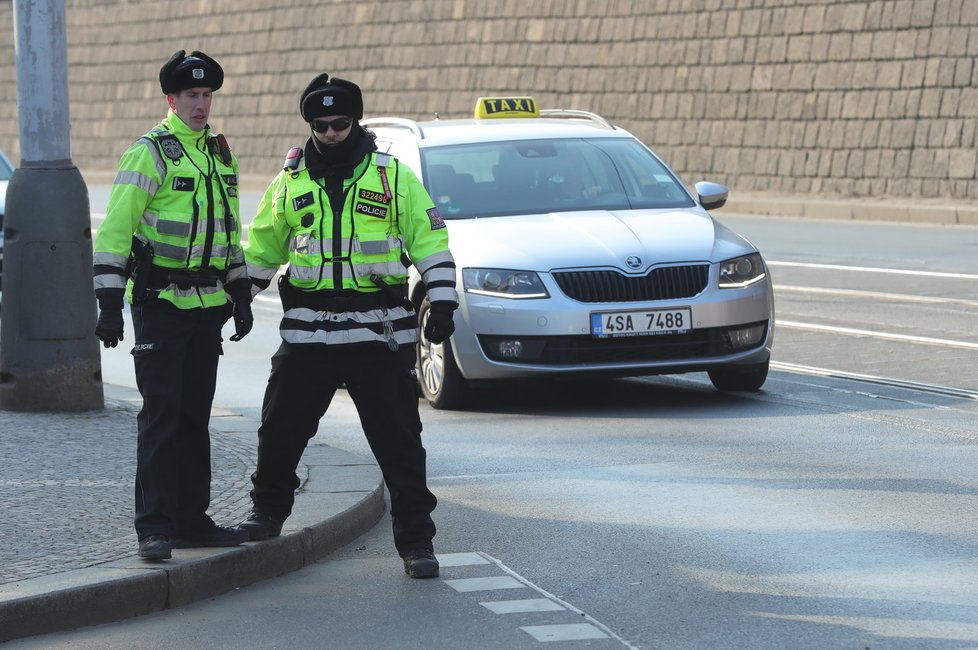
(742,271)
(503,283)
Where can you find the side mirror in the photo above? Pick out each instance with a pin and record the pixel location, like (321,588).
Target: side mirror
(711,195)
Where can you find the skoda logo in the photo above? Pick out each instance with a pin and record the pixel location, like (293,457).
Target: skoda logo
(634,262)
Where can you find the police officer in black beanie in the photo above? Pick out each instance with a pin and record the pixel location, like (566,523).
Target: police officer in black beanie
(345,223)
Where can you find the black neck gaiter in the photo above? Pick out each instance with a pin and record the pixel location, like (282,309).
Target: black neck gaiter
(336,162)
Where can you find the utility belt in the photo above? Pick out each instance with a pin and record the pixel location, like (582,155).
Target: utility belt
(160,278)
(340,301)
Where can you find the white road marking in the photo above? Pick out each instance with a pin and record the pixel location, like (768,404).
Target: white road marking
(522,606)
(461,559)
(873,379)
(588,629)
(856,293)
(572,632)
(851,331)
(873,269)
(463,585)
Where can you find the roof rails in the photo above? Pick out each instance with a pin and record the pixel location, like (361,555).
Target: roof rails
(398,122)
(570,113)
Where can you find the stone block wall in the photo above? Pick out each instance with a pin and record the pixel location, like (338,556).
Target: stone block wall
(829,98)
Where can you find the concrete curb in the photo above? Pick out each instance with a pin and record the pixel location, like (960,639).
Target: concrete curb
(342,497)
(800,206)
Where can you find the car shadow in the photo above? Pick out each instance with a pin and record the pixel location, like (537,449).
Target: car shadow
(679,395)
(596,397)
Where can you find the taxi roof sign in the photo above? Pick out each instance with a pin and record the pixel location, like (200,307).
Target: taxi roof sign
(501,107)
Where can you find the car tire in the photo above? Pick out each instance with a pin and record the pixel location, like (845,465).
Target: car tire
(747,378)
(441,382)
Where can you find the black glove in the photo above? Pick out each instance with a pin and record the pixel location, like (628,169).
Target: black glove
(440,324)
(109,327)
(243,319)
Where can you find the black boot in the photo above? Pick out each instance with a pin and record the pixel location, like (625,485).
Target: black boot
(155,547)
(260,526)
(216,536)
(421,563)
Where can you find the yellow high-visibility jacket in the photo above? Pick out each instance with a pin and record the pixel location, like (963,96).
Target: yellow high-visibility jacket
(176,192)
(336,254)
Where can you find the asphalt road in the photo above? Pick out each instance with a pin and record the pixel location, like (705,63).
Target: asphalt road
(834,509)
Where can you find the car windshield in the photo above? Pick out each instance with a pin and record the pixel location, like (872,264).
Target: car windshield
(5,170)
(489,179)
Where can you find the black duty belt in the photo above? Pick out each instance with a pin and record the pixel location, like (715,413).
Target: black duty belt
(339,302)
(162,278)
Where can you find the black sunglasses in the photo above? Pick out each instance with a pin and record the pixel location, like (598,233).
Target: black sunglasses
(322,126)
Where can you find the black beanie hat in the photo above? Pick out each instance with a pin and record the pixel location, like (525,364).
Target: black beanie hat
(196,70)
(324,96)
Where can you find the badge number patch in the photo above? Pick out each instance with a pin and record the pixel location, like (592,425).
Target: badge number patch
(376,197)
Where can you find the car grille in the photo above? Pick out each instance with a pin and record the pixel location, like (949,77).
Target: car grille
(663,283)
(575,350)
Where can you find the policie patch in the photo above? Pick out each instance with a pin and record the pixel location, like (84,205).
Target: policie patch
(376,197)
(435,218)
(302,201)
(371,210)
(183,184)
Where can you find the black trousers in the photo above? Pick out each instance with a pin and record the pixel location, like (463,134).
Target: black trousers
(176,356)
(381,384)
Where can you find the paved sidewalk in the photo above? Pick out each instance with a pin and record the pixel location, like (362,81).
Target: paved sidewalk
(67,546)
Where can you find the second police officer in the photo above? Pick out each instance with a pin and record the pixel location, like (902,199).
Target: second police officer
(346,220)
(171,241)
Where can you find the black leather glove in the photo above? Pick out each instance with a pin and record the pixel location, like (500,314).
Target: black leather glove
(440,324)
(109,327)
(243,319)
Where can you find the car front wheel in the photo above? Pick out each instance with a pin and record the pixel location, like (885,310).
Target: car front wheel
(441,382)
(747,378)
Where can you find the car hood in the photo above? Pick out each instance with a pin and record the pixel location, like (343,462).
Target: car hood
(598,238)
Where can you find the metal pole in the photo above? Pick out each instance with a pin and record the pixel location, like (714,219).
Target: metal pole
(49,356)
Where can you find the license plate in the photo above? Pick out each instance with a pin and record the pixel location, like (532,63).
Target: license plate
(641,323)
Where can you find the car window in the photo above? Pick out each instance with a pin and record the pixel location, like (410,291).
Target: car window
(556,175)
(6,171)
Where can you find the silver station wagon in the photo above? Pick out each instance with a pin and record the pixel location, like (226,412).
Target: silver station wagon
(579,251)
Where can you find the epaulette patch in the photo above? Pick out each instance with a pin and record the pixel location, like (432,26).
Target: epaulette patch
(293,159)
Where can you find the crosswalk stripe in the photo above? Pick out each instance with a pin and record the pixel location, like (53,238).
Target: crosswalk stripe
(461,559)
(485,584)
(522,606)
(568,632)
